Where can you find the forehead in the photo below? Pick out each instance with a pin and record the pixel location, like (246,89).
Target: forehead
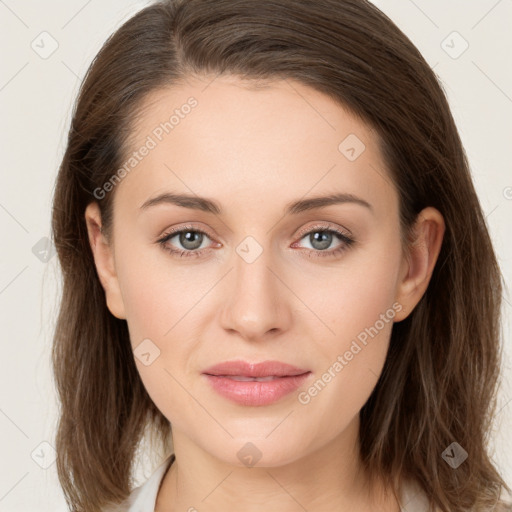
(280,139)
(243,109)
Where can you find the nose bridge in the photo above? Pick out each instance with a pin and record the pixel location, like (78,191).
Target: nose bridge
(256,303)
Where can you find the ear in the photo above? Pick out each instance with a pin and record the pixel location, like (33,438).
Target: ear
(419,260)
(103,254)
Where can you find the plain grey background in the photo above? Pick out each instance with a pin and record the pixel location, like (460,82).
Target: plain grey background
(46,49)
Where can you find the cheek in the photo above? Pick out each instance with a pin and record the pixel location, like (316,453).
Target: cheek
(162,304)
(356,294)
(158,293)
(353,363)
(358,306)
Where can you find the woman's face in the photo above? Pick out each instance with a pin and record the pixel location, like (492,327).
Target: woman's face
(254,278)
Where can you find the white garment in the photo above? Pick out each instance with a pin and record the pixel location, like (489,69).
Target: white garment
(143,498)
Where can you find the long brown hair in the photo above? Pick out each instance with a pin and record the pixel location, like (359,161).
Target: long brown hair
(440,379)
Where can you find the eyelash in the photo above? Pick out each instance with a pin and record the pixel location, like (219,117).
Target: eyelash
(325,228)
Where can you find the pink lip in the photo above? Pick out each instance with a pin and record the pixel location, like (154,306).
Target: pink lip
(287,379)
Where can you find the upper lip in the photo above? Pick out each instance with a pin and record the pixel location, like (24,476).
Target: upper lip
(245,369)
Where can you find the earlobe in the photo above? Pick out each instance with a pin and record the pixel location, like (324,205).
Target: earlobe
(103,255)
(419,262)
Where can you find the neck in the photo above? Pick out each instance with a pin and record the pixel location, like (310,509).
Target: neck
(329,478)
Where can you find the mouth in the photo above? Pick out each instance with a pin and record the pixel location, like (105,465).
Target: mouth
(265,369)
(243,378)
(255,384)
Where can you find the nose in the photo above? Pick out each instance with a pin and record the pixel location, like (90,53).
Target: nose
(257,302)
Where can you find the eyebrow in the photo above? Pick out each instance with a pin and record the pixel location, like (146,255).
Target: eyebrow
(210,206)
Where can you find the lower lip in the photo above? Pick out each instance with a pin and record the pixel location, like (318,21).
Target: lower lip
(256,393)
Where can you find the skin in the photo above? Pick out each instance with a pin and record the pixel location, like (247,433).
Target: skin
(253,151)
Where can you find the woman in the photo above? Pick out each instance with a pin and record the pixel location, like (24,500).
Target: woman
(271,244)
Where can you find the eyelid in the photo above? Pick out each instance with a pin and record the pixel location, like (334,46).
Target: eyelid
(325,226)
(185,227)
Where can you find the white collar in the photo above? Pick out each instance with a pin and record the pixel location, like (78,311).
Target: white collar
(143,498)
